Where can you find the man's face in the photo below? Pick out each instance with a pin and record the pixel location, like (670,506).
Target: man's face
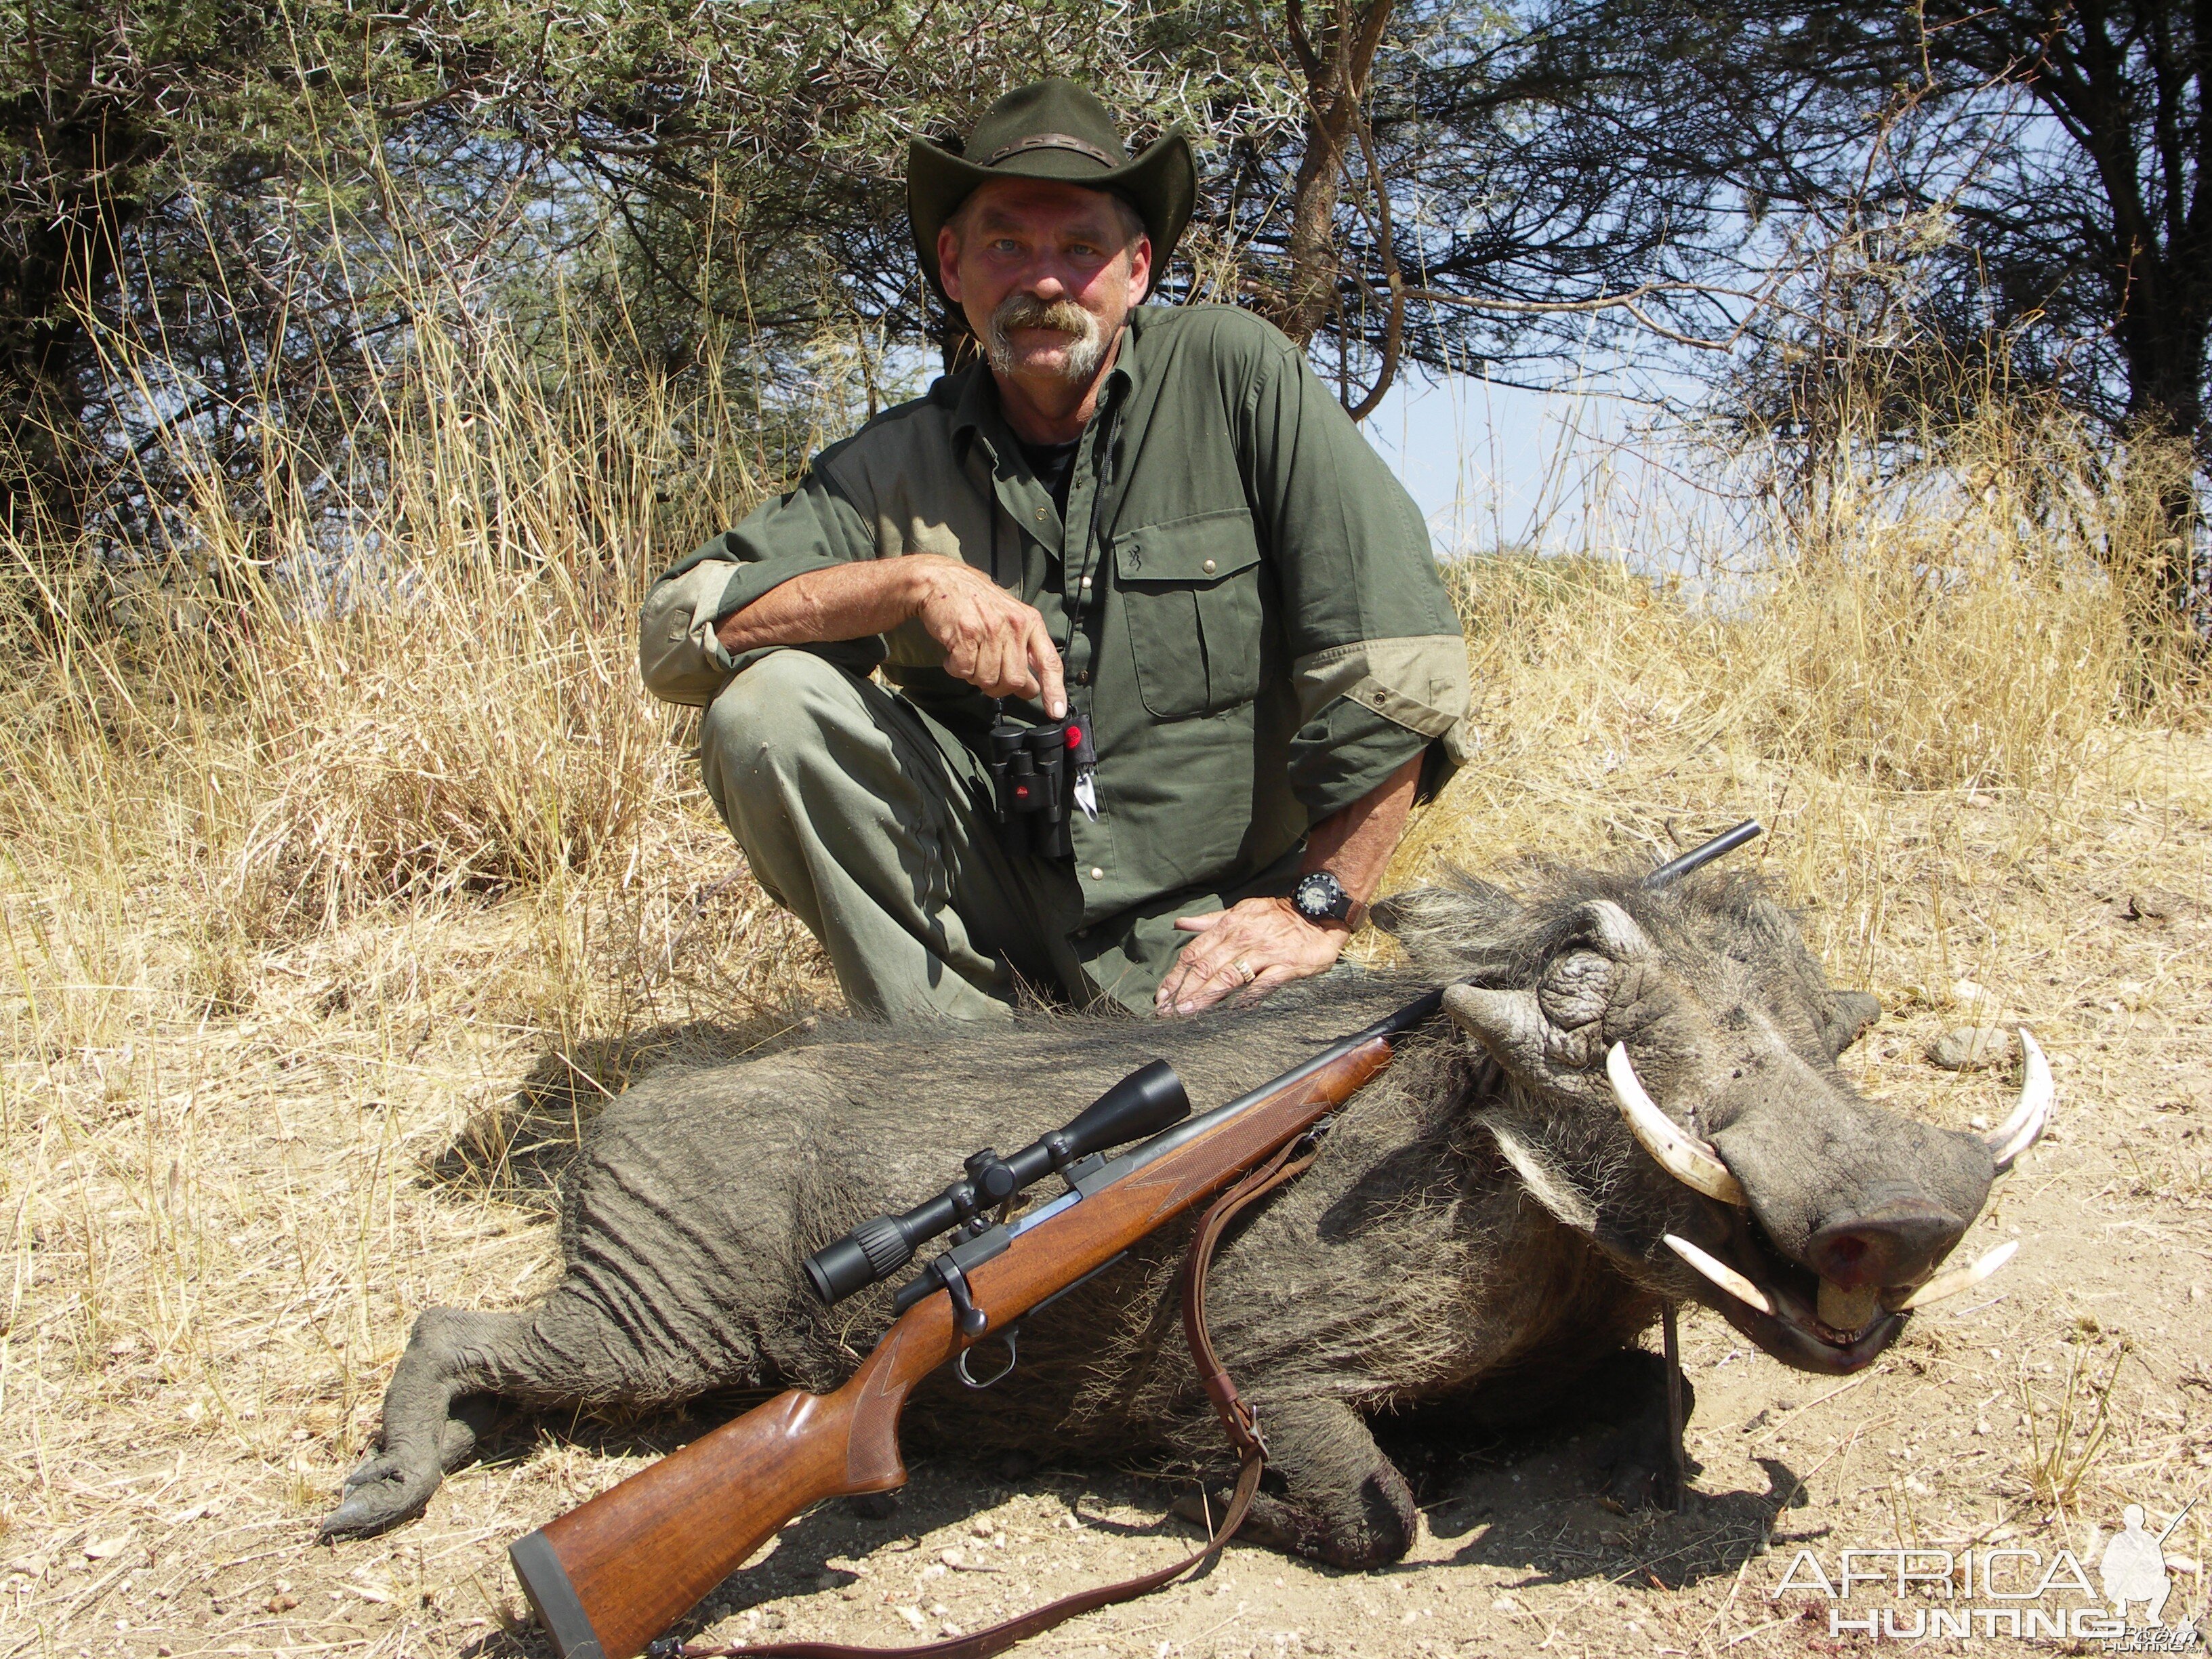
(1046,275)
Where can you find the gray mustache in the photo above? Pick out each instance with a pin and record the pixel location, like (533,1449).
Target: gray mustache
(1027,310)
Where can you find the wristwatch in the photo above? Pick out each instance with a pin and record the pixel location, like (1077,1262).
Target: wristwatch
(1320,897)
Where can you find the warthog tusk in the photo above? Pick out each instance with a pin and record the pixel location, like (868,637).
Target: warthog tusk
(2025,1126)
(1681,1154)
(1961,1279)
(1719,1272)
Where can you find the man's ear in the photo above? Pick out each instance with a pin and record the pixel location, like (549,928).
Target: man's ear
(1140,270)
(948,262)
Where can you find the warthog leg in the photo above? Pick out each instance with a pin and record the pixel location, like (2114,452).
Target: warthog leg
(565,1351)
(1341,1500)
(1643,1459)
(434,1411)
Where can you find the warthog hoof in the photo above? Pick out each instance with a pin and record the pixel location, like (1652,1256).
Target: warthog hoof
(395,1484)
(1276,1524)
(379,1495)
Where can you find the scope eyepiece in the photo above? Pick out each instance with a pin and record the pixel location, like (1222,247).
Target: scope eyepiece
(1148,1100)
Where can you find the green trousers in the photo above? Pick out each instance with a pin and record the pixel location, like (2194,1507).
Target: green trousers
(871,823)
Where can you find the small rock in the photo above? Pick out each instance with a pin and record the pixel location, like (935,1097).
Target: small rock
(1970,1048)
(281,1602)
(105,1548)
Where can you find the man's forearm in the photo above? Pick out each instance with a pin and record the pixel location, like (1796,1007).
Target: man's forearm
(1354,844)
(838,602)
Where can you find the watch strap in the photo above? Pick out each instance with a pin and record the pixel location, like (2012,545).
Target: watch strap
(1354,914)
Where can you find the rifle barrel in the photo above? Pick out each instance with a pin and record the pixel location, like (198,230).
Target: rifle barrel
(1698,857)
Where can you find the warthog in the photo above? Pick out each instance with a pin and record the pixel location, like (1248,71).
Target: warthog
(1502,1211)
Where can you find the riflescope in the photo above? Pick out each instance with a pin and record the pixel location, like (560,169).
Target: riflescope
(1147,1101)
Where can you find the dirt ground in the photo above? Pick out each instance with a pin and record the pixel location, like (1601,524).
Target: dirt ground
(217,1244)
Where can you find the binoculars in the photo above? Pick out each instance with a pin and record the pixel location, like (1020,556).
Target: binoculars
(1033,770)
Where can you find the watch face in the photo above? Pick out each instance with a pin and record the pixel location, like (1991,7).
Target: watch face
(1319,896)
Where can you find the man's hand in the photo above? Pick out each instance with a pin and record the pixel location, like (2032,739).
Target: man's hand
(1259,944)
(992,640)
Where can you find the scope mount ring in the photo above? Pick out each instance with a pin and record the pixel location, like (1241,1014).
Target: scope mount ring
(1012,1337)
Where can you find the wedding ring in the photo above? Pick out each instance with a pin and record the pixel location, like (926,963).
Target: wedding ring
(1244,970)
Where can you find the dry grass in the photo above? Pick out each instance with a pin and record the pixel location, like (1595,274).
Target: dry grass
(327,918)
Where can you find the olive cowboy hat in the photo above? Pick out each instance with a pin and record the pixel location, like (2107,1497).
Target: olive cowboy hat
(1050,130)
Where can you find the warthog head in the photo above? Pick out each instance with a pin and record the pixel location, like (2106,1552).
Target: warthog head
(1669,1089)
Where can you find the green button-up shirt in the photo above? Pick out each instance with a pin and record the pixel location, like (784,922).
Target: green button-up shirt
(1248,605)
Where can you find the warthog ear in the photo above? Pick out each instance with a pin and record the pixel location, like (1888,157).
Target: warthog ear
(1606,927)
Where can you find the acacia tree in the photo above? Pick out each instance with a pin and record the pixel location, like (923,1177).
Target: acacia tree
(2050,159)
(1449,198)
(255,195)
(1392,180)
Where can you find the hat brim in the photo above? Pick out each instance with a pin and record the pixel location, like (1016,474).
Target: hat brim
(1161,183)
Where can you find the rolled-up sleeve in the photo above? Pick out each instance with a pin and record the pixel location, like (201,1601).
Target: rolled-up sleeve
(1376,653)
(814,526)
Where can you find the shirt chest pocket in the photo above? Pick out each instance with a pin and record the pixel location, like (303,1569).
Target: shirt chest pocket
(1190,590)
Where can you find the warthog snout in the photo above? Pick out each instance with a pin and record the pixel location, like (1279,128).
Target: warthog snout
(1897,1243)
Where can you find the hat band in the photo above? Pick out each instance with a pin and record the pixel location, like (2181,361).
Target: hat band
(1052,141)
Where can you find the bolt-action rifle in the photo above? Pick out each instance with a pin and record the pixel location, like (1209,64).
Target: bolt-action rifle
(610,1576)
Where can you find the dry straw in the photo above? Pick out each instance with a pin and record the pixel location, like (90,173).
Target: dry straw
(341,879)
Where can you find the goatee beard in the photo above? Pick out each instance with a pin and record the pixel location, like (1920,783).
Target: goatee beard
(1086,340)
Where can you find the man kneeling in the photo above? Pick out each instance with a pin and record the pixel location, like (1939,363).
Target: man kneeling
(1153,523)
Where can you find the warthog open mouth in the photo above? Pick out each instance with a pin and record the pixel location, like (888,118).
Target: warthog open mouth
(1791,1311)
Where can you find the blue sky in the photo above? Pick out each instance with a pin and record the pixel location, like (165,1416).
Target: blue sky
(1573,469)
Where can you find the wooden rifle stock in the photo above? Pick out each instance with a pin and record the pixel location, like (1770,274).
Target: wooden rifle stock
(616,1573)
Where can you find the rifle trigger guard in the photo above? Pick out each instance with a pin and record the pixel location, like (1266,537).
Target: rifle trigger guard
(1012,1337)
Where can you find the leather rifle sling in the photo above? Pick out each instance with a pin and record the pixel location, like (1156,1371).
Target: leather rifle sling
(1236,1418)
